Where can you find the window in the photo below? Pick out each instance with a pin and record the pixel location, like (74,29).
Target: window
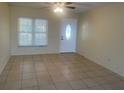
(68,31)
(32,32)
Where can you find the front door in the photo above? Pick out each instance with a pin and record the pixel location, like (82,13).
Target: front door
(68,35)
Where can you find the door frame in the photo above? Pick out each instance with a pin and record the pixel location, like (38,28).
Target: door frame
(60,35)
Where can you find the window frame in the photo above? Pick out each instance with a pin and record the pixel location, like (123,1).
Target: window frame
(33,33)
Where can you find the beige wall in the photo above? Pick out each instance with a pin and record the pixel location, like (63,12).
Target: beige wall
(101,37)
(4,35)
(54,22)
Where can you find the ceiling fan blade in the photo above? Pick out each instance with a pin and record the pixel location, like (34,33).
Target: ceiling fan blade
(68,3)
(71,7)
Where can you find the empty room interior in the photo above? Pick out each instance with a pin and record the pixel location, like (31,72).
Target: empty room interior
(61,46)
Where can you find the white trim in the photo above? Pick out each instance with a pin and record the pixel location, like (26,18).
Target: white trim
(5,61)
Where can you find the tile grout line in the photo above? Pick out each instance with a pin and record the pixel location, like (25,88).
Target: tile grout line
(35,73)
(22,71)
(49,74)
(67,81)
(8,74)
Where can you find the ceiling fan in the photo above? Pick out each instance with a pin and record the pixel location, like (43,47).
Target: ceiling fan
(59,6)
(69,5)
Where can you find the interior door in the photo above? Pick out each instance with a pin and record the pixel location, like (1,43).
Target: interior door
(68,35)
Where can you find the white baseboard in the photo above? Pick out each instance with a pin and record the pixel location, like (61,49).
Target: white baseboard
(3,64)
(113,70)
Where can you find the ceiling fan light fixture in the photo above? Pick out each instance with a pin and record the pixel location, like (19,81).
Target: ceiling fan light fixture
(58,10)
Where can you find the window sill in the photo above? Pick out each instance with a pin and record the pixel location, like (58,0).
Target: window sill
(31,46)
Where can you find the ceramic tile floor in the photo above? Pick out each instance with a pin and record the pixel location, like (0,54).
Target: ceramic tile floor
(57,72)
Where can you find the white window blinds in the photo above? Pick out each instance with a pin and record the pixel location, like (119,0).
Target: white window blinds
(32,32)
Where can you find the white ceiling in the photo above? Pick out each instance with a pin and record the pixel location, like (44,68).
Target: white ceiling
(80,6)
